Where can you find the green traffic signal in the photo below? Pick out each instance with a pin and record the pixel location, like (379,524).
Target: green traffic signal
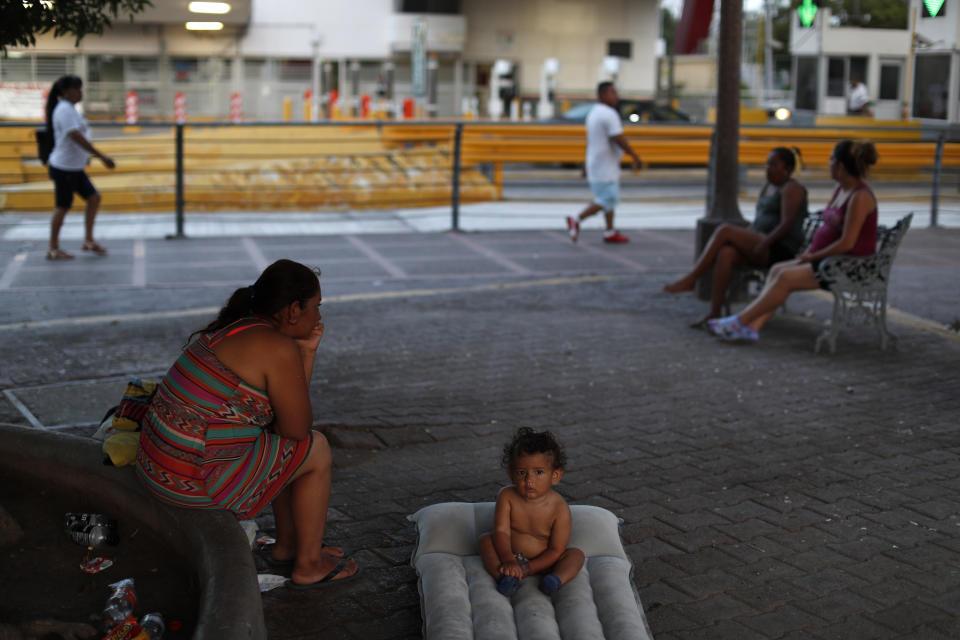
(933,6)
(807,11)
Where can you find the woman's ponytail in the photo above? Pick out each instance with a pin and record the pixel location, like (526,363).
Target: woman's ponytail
(281,283)
(52,98)
(56,92)
(856,156)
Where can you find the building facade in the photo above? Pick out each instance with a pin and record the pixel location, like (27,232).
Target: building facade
(935,95)
(271,52)
(826,57)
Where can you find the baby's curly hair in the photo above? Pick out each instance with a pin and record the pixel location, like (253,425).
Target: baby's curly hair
(526,442)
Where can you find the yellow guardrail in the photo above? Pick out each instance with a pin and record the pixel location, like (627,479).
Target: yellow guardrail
(306,164)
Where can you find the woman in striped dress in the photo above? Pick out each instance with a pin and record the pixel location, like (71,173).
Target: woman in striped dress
(229,426)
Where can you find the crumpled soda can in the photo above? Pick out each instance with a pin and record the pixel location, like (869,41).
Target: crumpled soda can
(91,529)
(95,565)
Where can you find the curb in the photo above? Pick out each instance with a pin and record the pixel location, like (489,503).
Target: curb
(216,547)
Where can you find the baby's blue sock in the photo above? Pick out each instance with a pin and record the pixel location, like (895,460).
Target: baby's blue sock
(508,585)
(550,584)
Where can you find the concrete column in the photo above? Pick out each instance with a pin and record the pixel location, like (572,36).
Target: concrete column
(236,71)
(953,94)
(457,85)
(315,68)
(81,70)
(165,92)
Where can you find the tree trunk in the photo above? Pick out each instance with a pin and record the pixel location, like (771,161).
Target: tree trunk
(724,151)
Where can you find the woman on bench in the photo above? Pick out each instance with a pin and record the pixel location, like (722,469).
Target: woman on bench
(849,227)
(775,235)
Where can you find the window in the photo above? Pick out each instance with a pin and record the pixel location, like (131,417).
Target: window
(105,69)
(619,48)
(835,77)
(49,68)
(18,69)
(253,69)
(299,70)
(931,86)
(858,68)
(430,6)
(184,69)
(889,82)
(142,70)
(806,83)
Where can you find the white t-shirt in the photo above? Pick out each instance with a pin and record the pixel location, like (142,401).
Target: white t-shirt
(858,97)
(603,154)
(67,155)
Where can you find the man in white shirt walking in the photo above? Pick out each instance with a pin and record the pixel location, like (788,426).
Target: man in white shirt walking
(605,146)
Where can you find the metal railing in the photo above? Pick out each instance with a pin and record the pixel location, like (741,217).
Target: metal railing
(371,164)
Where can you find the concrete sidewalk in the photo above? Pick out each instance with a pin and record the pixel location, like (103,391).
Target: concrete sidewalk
(766,492)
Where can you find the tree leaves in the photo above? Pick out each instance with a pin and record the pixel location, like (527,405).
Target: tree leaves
(22,20)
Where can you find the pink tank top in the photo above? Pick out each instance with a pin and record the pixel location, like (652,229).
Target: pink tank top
(831,228)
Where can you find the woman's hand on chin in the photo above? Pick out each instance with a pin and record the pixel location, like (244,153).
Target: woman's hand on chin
(312,341)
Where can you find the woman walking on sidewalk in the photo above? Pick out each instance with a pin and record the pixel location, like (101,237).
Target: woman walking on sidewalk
(774,236)
(68,160)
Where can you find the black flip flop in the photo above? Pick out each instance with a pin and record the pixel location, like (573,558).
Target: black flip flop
(264,553)
(326,580)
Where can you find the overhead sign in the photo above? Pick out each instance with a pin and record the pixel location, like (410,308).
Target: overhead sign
(808,11)
(933,7)
(418,51)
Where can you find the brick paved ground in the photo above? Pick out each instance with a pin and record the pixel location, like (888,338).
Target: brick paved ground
(766,492)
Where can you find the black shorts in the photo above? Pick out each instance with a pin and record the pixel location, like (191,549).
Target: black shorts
(780,253)
(66,183)
(824,283)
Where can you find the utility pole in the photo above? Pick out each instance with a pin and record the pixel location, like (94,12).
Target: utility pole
(767,48)
(724,150)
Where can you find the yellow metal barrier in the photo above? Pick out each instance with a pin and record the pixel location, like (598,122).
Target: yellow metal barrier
(861,121)
(306,165)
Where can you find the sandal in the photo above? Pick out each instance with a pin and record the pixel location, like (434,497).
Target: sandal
(94,247)
(265,553)
(327,580)
(58,254)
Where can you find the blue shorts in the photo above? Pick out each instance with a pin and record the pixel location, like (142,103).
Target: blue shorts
(606,194)
(66,183)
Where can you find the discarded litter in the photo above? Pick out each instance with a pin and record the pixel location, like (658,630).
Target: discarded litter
(126,629)
(95,565)
(266,540)
(269,581)
(121,602)
(91,529)
(119,620)
(153,626)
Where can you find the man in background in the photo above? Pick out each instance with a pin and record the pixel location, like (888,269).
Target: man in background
(605,146)
(858,101)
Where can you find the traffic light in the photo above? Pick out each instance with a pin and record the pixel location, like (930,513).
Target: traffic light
(933,8)
(807,11)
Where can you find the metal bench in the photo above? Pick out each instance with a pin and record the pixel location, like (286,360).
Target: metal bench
(859,287)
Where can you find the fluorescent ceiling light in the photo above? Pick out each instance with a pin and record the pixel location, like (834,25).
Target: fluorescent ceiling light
(204,26)
(209,7)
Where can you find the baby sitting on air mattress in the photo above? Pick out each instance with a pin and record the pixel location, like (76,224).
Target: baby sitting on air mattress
(531,527)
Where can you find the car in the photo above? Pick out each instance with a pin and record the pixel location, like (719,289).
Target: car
(631,111)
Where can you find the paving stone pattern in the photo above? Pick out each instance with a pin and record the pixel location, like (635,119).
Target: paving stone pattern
(765,492)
